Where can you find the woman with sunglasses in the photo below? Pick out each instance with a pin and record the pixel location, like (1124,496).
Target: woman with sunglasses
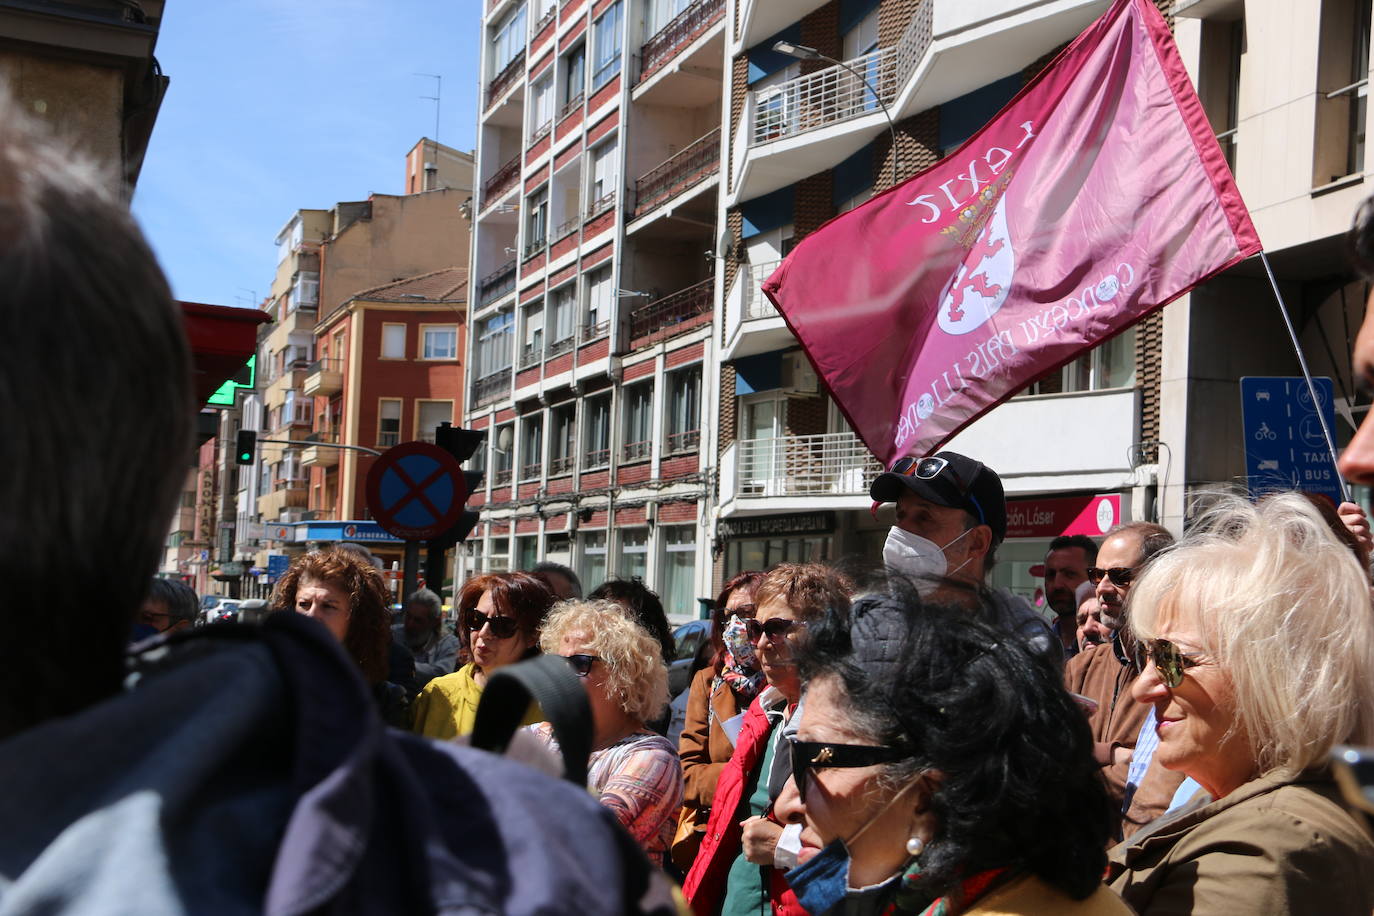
(499,616)
(719,692)
(632,770)
(940,767)
(1257,652)
(734,871)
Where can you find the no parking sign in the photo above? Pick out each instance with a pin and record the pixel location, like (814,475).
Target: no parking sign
(416,491)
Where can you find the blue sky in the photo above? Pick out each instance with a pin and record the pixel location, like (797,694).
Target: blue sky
(279,105)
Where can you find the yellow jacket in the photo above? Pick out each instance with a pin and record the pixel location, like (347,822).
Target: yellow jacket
(447,706)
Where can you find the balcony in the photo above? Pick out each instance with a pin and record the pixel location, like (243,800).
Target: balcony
(679,443)
(637,451)
(287,493)
(824,98)
(759,19)
(323,377)
(684,28)
(498,283)
(760,476)
(501,477)
(531,355)
(495,187)
(597,458)
(590,332)
(534,247)
(509,75)
(672,315)
(752,324)
(694,164)
(321,457)
(756,304)
(491,388)
(563,465)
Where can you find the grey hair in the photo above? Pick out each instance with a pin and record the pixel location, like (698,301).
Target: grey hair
(548,566)
(428,599)
(359,550)
(178,597)
(95,400)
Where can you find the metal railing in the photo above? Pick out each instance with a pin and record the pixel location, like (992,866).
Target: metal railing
(321,435)
(530,471)
(503,80)
(540,132)
(496,284)
(678,33)
(601,205)
(756,304)
(677,308)
(545,20)
(501,182)
(491,388)
(559,347)
(561,465)
(638,451)
(829,96)
(832,464)
(571,105)
(590,332)
(531,355)
(566,228)
(683,441)
(699,160)
(915,42)
(597,458)
(290,483)
(534,247)
(327,364)
(501,476)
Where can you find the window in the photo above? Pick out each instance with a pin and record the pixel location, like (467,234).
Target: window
(298,409)
(305,291)
(684,410)
(509,41)
(564,314)
(533,350)
(1108,365)
(597,431)
(862,39)
(502,453)
(603,175)
(526,552)
(561,438)
(429,415)
(1342,90)
(440,342)
(606,46)
(290,238)
(600,297)
(634,552)
(639,421)
(494,336)
(393,341)
(543,9)
(541,107)
(536,221)
(388,422)
(591,568)
(531,447)
(574,76)
(472,549)
(677,572)
(661,12)
(500,553)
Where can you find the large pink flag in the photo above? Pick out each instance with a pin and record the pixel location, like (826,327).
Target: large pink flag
(1095,197)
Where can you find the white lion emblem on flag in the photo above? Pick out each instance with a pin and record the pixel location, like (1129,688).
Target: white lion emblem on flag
(982,282)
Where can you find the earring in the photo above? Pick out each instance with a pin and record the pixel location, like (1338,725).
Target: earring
(915,846)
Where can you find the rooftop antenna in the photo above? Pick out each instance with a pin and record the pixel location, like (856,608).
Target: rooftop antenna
(438,92)
(253,302)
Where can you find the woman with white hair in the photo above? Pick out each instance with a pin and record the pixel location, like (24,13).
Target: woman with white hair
(633,771)
(1257,644)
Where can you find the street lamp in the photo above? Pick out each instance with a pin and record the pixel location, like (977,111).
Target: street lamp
(802,52)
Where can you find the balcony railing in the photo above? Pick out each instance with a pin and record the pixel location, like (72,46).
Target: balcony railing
(561,466)
(638,451)
(571,105)
(327,364)
(915,41)
(601,205)
(508,75)
(290,483)
(830,96)
(534,247)
(597,458)
(501,476)
(683,441)
(671,310)
(531,471)
(558,347)
(530,355)
(833,464)
(756,304)
(566,228)
(545,20)
(496,284)
(699,160)
(589,332)
(492,388)
(678,33)
(321,435)
(504,179)
(540,132)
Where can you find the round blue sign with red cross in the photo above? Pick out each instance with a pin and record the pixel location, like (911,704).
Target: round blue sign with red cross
(416,491)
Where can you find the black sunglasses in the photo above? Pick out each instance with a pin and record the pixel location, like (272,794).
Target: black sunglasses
(811,755)
(775,628)
(931,468)
(582,664)
(1121,576)
(1170,661)
(501,627)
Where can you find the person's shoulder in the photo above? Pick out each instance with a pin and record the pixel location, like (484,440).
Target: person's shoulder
(455,684)
(1310,809)
(1031,895)
(1090,658)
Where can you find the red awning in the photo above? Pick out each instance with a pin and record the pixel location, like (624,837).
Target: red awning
(222,338)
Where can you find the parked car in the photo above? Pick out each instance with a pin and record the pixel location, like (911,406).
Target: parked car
(688,640)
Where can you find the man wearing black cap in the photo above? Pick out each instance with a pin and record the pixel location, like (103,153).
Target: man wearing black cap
(951,513)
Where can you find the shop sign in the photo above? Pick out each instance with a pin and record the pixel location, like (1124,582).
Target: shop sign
(778,525)
(1047,518)
(347,531)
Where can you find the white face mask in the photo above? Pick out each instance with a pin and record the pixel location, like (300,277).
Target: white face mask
(919,559)
(788,847)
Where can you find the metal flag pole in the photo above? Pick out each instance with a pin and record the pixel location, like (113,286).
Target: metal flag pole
(1306,374)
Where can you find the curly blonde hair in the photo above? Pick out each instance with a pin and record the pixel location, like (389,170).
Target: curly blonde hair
(636,677)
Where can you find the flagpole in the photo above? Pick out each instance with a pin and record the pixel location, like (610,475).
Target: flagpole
(1306,374)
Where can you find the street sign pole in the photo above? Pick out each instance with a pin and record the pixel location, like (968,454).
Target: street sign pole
(410,575)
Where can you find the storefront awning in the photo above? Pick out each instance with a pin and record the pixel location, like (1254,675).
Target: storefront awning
(222,338)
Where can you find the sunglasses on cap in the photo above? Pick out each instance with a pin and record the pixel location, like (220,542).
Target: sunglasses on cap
(931,468)
(1120,576)
(1170,661)
(813,755)
(501,627)
(582,664)
(775,628)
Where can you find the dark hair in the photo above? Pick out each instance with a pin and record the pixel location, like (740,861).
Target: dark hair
(521,595)
(1020,787)
(1360,240)
(644,605)
(749,581)
(1081,541)
(369,612)
(548,566)
(1153,538)
(178,597)
(95,395)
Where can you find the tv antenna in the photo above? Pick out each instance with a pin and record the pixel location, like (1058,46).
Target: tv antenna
(438,93)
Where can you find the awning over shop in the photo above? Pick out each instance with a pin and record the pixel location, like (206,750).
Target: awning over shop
(222,338)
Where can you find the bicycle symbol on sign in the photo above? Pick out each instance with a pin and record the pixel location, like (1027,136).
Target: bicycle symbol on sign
(1264,432)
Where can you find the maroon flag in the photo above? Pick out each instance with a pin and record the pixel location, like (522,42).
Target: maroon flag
(1096,196)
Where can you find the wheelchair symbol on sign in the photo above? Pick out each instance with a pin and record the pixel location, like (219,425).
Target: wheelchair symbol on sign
(1264,432)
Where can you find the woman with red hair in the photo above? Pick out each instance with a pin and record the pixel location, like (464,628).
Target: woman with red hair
(499,616)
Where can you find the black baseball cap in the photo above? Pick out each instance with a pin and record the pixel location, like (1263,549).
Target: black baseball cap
(948,479)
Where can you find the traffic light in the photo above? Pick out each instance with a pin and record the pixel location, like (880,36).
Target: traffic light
(246,447)
(460,443)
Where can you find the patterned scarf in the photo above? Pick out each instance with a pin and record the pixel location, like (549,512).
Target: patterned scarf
(740,664)
(970,889)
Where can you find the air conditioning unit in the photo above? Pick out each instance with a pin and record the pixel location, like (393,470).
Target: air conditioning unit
(797,375)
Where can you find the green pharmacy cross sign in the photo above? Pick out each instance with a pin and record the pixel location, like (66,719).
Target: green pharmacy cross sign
(224,396)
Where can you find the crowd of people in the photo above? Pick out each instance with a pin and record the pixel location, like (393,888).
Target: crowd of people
(897,738)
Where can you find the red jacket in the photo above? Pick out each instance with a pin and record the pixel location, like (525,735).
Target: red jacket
(705,884)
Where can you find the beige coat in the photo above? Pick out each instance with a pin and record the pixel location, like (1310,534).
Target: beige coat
(1030,896)
(1273,846)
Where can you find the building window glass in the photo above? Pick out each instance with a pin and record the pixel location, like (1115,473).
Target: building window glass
(677,577)
(536,221)
(429,415)
(305,291)
(564,313)
(769,552)
(440,342)
(591,567)
(509,41)
(526,552)
(600,297)
(494,343)
(388,422)
(541,107)
(634,552)
(499,560)
(472,549)
(598,432)
(502,454)
(533,349)
(393,341)
(531,447)
(603,174)
(684,410)
(561,439)
(575,75)
(606,46)
(639,421)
